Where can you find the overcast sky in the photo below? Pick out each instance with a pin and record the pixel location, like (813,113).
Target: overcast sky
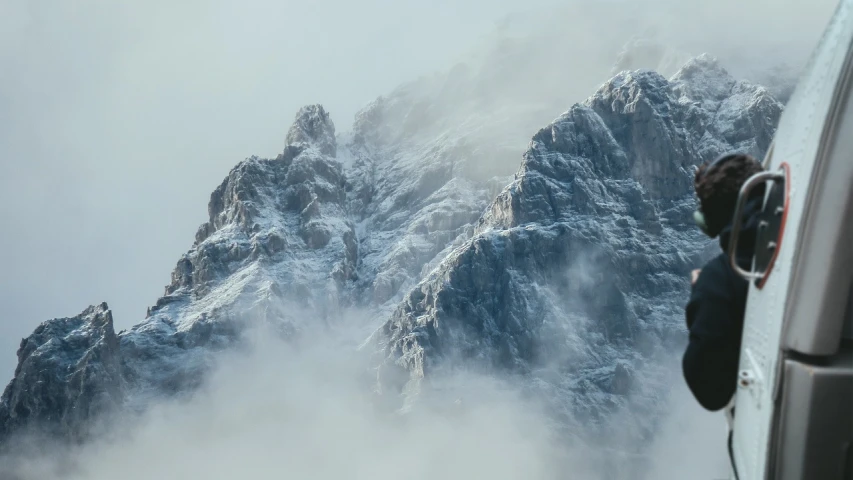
(117,120)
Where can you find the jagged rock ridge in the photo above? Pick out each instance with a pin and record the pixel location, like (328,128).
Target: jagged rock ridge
(278,248)
(576,273)
(587,247)
(68,371)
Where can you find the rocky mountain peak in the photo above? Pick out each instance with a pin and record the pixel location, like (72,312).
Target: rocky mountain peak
(314,127)
(573,265)
(703,79)
(68,367)
(584,256)
(285,215)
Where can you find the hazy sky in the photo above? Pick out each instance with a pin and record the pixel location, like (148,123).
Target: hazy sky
(117,120)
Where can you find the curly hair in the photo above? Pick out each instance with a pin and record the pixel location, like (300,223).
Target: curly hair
(717,188)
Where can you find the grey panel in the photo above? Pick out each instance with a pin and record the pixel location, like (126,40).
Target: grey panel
(848,317)
(823,263)
(769,228)
(815,429)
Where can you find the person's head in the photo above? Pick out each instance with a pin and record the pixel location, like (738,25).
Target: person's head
(717,185)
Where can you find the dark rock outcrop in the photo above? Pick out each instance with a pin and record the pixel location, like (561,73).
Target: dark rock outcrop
(570,281)
(313,126)
(278,248)
(574,274)
(68,372)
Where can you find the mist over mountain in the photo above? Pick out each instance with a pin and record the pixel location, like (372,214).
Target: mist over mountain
(568,280)
(423,274)
(145,107)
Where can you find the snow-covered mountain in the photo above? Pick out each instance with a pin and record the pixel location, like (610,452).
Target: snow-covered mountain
(570,275)
(575,276)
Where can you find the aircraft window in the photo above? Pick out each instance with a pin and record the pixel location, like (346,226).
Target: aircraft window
(771,221)
(848,317)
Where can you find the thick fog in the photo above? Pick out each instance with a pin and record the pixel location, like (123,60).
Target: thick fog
(273,411)
(117,120)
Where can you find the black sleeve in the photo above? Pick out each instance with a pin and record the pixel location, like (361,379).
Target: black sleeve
(715,320)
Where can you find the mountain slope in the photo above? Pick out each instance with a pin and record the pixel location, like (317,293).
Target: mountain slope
(68,371)
(571,277)
(576,274)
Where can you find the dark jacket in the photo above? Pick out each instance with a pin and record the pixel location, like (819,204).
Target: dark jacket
(715,318)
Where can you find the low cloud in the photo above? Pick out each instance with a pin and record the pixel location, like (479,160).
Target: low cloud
(285,411)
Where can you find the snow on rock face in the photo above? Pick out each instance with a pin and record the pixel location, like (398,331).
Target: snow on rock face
(68,369)
(277,227)
(278,244)
(571,279)
(576,274)
(650,51)
(411,198)
(313,126)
